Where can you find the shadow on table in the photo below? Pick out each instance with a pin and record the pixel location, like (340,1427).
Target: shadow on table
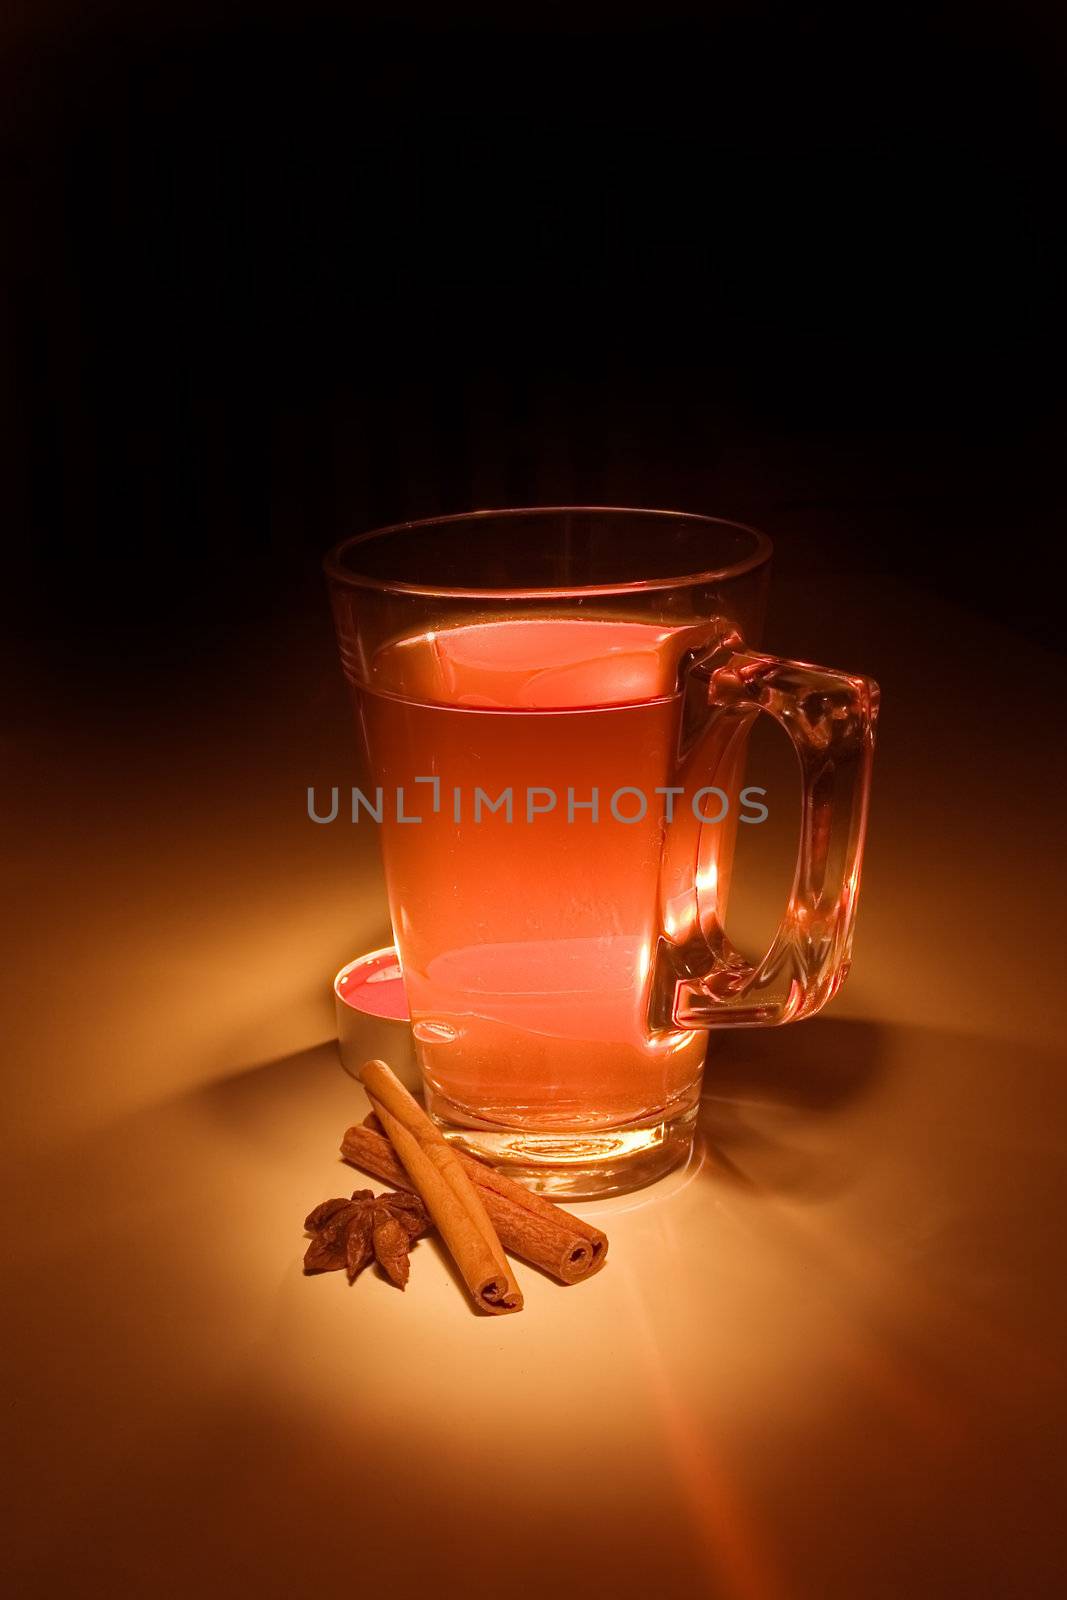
(771,1097)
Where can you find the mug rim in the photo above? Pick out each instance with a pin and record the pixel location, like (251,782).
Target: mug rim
(338,573)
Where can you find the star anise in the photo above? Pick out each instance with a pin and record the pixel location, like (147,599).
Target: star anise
(352,1233)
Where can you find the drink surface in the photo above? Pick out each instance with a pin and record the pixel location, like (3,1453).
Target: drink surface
(527,945)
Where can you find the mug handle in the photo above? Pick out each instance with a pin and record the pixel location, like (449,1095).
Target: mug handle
(830,717)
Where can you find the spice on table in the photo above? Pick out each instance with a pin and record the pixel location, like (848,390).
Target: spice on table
(529,1225)
(436,1174)
(350,1234)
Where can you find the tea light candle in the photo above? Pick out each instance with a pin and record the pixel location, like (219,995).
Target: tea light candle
(372,1015)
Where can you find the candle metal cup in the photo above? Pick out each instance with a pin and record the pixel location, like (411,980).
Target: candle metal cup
(372,1016)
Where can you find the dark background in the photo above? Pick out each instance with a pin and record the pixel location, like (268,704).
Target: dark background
(275,277)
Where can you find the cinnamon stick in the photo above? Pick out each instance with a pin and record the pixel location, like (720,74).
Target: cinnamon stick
(563,1246)
(486,1177)
(451,1199)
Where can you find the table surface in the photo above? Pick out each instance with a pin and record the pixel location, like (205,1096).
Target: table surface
(826,1360)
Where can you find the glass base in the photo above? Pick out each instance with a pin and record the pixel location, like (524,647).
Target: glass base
(576,1166)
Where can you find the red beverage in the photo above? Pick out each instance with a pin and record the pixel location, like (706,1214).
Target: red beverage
(527,944)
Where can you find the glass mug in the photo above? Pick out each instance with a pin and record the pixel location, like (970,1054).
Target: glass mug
(555,704)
